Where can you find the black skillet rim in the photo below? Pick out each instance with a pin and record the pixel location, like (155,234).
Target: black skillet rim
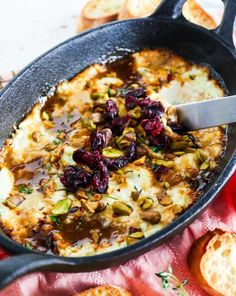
(169,231)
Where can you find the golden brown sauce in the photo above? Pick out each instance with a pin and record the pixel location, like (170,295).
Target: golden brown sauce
(30,173)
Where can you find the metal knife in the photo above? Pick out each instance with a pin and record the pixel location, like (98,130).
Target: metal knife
(210,113)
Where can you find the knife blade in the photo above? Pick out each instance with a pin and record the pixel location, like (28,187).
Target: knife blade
(209,113)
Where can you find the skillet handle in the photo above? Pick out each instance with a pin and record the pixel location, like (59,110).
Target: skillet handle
(19,265)
(226,28)
(171,9)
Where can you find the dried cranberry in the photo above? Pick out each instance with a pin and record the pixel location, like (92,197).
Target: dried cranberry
(120,123)
(74,177)
(120,162)
(131,152)
(137,93)
(169,77)
(91,159)
(100,178)
(112,110)
(100,139)
(130,101)
(117,163)
(150,108)
(160,141)
(152,126)
(177,127)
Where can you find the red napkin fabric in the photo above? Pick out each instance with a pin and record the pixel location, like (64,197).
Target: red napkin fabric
(138,275)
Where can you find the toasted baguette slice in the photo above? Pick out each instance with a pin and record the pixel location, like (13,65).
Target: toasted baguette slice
(194,13)
(98,12)
(105,291)
(138,8)
(212,261)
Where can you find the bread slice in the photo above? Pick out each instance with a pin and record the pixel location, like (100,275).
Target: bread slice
(194,13)
(212,261)
(97,12)
(105,291)
(138,8)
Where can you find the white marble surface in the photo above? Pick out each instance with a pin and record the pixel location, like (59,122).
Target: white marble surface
(30,27)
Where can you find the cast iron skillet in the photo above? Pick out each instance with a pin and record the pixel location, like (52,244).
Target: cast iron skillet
(166,27)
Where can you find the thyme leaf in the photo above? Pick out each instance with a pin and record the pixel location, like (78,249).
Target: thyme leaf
(168,279)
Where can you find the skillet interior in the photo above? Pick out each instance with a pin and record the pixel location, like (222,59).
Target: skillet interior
(110,42)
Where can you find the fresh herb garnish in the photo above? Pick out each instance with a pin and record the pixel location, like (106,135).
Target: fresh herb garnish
(135,187)
(112,92)
(156,149)
(25,189)
(109,196)
(169,280)
(56,220)
(57,142)
(69,117)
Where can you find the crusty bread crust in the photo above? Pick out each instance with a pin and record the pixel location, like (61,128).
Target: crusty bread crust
(194,13)
(95,13)
(207,251)
(134,9)
(105,291)
(137,8)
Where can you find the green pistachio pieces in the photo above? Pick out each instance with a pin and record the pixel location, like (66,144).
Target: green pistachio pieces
(127,136)
(178,145)
(204,165)
(88,124)
(62,207)
(134,237)
(122,209)
(135,113)
(14,201)
(145,203)
(111,152)
(166,163)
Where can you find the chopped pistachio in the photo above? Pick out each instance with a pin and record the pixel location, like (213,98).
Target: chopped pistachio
(134,237)
(97,117)
(14,201)
(111,152)
(45,116)
(87,205)
(190,150)
(201,156)
(204,165)
(140,161)
(81,195)
(62,207)
(151,216)
(135,195)
(166,163)
(165,200)
(88,124)
(36,136)
(145,203)
(96,96)
(120,208)
(178,145)
(166,185)
(177,209)
(127,136)
(135,113)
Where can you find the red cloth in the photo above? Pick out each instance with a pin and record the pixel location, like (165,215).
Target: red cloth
(139,275)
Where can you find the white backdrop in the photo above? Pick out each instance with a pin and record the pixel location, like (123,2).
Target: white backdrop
(30,27)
